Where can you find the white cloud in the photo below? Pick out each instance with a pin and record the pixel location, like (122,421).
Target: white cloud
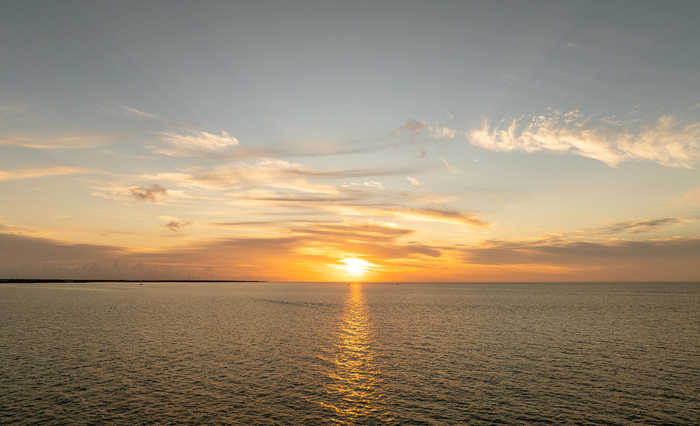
(38,173)
(137,112)
(452,169)
(268,172)
(666,142)
(441,132)
(413,180)
(265,172)
(435,131)
(367,184)
(194,144)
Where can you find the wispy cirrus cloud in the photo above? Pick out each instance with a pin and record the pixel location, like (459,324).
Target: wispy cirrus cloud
(667,141)
(19,174)
(135,112)
(435,131)
(413,214)
(63,142)
(640,226)
(267,172)
(194,144)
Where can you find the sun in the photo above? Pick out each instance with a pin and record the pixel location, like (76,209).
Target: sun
(355,267)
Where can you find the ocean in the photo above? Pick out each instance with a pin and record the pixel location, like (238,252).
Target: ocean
(309,353)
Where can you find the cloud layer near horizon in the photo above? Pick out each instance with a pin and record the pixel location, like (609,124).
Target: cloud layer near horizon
(312,246)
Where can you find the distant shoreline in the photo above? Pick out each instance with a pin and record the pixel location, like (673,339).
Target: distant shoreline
(58,280)
(79,281)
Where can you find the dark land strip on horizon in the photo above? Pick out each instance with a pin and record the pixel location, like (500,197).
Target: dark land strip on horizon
(60,280)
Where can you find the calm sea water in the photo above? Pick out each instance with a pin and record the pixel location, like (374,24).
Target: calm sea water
(340,353)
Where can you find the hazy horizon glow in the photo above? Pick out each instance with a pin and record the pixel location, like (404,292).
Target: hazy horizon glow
(390,141)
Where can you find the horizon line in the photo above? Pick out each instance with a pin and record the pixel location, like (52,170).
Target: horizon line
(80,280)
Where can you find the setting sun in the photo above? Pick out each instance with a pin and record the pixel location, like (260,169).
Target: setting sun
(355,266)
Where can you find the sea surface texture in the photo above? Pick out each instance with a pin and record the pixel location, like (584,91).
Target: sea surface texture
(349,353)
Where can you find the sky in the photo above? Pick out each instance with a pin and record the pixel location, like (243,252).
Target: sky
(339,141)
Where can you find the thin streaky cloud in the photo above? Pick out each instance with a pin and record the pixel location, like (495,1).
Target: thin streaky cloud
(435,131)
(194,144)
(413,214)
(20,174)
(64,142)
(135,112)
(640,226)
(267,172)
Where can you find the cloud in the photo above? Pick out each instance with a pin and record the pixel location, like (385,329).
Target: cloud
(302,252)
(194,144)
(305,251)
(639,226)
(268,172)
(442,132)
(294,196)
(43,172)
(367,184)
(436,131)
(665,142)
(367,232)
(450,168)
(174,224)
(415,214)
(153,193)
(22,255)
(373,240)
(561,251)
(65,142)
(412,126)
(134,112)
(413,180)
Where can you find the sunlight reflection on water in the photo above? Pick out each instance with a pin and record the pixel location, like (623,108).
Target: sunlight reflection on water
(354,382)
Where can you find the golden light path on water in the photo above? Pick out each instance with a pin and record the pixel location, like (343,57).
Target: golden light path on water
(354,382)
